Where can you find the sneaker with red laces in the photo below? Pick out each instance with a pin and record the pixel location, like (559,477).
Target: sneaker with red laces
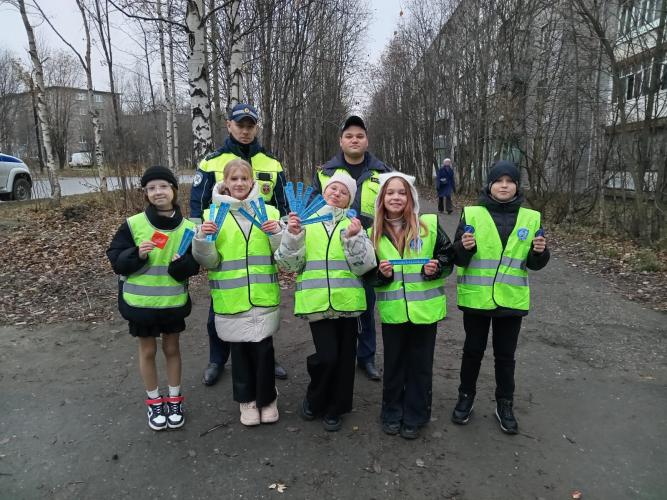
(157,420)
(175,416)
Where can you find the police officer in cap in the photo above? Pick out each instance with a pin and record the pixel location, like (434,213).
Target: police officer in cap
(241,143)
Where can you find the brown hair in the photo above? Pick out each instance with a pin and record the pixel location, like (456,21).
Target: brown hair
(408,233)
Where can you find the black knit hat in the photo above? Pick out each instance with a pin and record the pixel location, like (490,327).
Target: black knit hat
(503,167)
(159,172)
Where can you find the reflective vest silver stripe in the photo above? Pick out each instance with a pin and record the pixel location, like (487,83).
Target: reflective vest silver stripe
(493,264)
(153,271)
(508,279)
(489,280)
(408,277)
(153,291)
(252,279)
(513,263)
(331,282)
(235,265)
(483,264)
(321,265)
(411,296)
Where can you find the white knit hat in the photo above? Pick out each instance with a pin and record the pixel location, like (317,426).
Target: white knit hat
(347,181)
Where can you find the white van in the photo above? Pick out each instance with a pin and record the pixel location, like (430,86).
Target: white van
(82,159)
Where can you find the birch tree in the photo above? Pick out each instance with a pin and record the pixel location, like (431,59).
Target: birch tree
(167,91)
(42,111)
(85,61)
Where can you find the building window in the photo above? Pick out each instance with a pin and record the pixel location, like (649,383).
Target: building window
(81,96)
(99,98)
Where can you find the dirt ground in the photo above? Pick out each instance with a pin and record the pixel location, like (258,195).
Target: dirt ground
(590,400)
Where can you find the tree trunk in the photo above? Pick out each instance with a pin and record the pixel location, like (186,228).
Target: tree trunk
(236,58)
(174,116)
(198,79)
(167,92)
(42,111)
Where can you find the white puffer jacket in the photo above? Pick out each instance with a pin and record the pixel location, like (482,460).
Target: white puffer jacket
(259,322)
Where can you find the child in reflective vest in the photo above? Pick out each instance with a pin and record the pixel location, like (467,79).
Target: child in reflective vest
(329,256)
(244,288)
(496,242)
(414,255)
(153,290)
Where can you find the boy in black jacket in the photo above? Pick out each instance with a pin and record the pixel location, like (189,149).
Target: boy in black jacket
(495,244)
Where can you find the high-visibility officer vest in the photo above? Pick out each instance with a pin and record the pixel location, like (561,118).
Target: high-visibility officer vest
(152,286)
(264,168)
(247,275)
(326,281)
(409,297)
(496,276)
(370,189)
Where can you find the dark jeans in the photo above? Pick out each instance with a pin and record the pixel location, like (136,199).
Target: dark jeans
(331,368)
(218,350)
(408,373)
(253,372)
(366,327)
(505,337)
(450,207)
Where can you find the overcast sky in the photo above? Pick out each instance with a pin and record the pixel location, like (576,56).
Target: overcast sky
(65,16)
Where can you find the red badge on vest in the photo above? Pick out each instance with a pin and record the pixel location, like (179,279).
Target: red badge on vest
(266,188)
(160,239)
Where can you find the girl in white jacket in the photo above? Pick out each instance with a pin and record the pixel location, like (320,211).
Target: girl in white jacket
(245,291)
(330,257)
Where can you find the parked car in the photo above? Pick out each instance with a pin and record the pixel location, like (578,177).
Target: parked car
(81,159)
(15,179)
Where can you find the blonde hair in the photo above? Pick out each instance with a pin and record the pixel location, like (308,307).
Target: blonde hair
(230,167)
(411,231)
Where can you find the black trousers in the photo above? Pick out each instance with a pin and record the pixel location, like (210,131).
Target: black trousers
(331,368)
(505,337)
(218,350)
(450,207)
(253,372)
(408,373)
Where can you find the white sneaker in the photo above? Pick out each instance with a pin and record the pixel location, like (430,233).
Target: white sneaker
(157,420)
(269,413)
(249,414)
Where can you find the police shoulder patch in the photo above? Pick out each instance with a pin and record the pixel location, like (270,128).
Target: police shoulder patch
(197,180)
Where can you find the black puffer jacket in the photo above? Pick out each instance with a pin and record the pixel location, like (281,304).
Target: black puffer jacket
(123,254)
(504,215)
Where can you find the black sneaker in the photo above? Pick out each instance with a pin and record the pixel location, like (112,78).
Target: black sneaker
(332,423)
(409,431)
(505,416)
(175,416)
(391,428)
(157,420)
(305,410)
(463,408)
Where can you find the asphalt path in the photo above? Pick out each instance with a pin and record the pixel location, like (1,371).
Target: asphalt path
(590,399)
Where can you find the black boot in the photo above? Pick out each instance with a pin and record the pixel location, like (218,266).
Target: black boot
(505,416)
(463,408)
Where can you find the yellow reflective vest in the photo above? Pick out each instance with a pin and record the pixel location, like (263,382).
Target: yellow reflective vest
(326,281)
(265,170)
(247,275)
(152,286)
(496,276)
(409,297)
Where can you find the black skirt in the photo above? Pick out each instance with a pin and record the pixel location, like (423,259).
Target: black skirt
(154,330)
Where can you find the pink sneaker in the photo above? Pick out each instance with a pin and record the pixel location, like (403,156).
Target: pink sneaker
(269,413)
(249,414)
